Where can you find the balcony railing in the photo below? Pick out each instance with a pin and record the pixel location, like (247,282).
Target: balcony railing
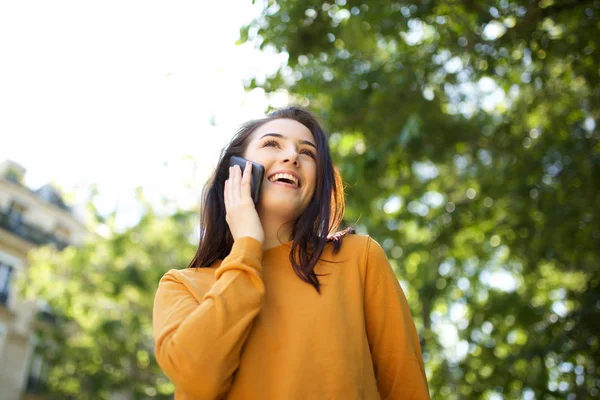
(28,232)
(36,385)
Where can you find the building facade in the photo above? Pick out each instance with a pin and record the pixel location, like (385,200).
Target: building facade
(28,219)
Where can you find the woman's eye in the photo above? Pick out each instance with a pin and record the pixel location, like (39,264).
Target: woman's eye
(309,153)
(270,143)
(274,143)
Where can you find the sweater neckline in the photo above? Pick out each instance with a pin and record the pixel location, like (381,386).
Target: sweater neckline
(283,246)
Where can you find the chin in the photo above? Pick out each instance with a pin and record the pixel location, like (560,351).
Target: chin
(288,210)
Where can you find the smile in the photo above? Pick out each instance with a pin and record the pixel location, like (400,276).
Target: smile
(284,177)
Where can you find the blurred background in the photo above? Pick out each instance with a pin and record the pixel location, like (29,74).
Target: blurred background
(466,133)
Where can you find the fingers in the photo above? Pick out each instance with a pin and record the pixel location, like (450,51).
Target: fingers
(231,192)
(246,180)
(236,177)
(237,185)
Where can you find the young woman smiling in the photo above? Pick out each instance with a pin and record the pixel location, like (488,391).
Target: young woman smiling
(277,303)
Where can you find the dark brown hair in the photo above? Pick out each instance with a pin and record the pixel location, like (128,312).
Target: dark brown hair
(316,226)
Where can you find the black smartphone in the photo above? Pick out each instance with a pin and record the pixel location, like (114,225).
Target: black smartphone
(258,173)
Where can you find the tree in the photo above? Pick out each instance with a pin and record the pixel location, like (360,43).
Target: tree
(468,135)
(102,296)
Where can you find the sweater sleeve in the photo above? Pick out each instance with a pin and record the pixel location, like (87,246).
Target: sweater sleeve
(392,335)
(199,336)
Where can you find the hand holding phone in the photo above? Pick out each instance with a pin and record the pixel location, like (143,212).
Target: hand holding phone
(258,173)
(240,208)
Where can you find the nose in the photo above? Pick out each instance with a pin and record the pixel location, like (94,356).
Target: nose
(291,156)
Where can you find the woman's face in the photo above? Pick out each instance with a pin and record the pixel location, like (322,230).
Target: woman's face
(287,150)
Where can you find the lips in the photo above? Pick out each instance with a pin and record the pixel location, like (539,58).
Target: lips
(288,177)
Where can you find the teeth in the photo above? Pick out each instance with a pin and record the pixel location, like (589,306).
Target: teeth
(284,176)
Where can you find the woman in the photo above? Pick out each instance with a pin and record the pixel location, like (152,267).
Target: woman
(276,304)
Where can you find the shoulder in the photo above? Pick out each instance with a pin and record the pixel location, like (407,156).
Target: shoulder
(368,252)
(366,256)
(353,243)
(357,247)
(189,273)
(195,280)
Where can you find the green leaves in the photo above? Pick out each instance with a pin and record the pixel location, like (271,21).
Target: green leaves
(468,138)
(103,295)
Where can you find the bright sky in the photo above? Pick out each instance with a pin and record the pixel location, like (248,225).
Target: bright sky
(110,92)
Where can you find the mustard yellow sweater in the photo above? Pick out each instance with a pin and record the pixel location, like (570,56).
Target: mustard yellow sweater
(249,328)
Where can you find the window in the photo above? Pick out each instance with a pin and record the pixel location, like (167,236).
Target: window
(37,366)
(38,371)
(6,272)
(15,214)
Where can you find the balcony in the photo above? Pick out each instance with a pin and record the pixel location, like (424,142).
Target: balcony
(12,223)
(36,385)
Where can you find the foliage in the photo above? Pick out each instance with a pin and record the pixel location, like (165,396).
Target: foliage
(102,295)
(468,135)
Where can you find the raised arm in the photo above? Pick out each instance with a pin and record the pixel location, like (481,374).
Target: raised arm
(199,335)
(393,339)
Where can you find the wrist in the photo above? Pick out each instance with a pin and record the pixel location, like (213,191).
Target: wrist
(248,243)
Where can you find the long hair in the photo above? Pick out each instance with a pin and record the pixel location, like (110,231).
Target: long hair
(312,230)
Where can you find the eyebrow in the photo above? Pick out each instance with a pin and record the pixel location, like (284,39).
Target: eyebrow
(278,135)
